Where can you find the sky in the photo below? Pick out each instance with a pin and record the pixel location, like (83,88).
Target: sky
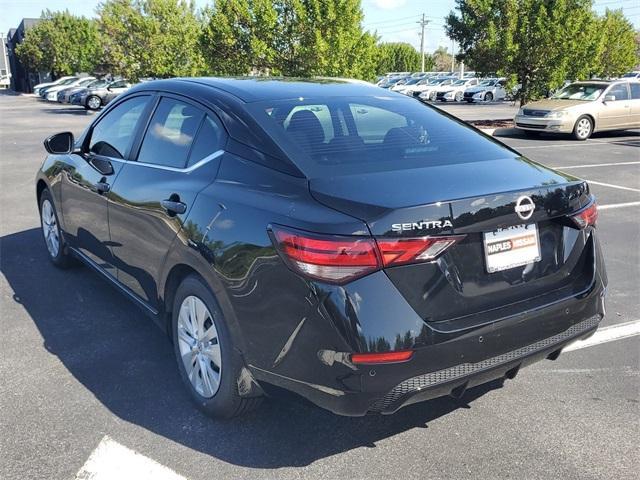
(393,20)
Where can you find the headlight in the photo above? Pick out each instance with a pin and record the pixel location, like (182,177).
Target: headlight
(557,114)
(520,112)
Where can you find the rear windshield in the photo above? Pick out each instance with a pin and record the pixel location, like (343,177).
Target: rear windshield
(347,135)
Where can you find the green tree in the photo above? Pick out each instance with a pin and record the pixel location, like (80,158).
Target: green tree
(288,37)
(398,57)
(151,38)
(442,59)
(618,49)
(541,43)
(61,44)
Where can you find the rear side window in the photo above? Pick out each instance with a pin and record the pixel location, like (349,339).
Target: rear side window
(376,134)
(170,133)
(113,134)
(635,91)
(209,140)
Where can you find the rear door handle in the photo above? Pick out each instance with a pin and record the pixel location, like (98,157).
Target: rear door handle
(173,207)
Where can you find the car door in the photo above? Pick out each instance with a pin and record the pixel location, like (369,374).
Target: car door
(634,88)
(89,175)
(500,92)
(615,113)
(177,156)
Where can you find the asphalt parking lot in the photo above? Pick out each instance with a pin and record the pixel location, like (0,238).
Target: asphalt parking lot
(80,365)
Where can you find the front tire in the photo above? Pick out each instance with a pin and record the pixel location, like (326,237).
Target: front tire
(93,102)
(208,363)
(488,97)
(459,97)
(583,128)
(52,234)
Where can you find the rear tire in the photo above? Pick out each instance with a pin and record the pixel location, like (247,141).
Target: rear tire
(52,233)
(583,128)
(208,363)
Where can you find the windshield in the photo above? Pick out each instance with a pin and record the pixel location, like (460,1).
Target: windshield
(87,81)
(631,75)
(580,91)
(413,81)
(460,82)
(488,83)
(331,136)
(68,81)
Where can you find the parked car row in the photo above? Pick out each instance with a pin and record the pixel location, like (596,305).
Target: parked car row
(446,87)
(88,92)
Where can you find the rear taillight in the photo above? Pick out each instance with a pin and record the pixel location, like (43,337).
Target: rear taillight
(400,251)
(339,259)
(587,217)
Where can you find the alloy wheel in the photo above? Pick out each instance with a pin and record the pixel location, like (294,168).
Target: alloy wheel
(583,128)
(50,229)
(458,96)
(94,103)
(199,346)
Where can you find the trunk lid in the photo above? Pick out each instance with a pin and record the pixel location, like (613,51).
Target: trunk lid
(456,290)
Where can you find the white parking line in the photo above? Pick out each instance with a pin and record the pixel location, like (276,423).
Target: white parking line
(574,145)
(597,165)
(618,205)
(607,334)
(620,187)
(110,460)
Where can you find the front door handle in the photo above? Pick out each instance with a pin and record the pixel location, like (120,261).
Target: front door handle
(102,186)
(174,206)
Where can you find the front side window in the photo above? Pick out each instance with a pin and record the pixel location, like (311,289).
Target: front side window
(113,134)
(619,91)
(170,133)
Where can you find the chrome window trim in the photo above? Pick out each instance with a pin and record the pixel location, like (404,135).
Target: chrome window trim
(193,167)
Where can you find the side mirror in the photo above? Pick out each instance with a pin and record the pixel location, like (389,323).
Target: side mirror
(60,143)
(609,98)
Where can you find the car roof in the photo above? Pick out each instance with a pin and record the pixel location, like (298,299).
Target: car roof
(253,89)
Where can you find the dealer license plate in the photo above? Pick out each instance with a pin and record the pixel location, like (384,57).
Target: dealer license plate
(511,247)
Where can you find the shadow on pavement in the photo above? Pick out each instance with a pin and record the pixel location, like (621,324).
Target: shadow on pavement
(111,348)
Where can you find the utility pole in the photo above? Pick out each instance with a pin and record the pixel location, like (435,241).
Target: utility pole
(423,23)
(453,57)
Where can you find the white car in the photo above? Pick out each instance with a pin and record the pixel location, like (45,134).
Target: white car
(632,75)
(431,90)
(52,92)
(455,91)
(408,84)
(486,91)
(40,86)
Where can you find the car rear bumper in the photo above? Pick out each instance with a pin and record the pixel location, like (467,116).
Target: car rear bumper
(544,124)
(452,365)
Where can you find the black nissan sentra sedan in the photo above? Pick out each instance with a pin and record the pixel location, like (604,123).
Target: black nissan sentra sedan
(328,238)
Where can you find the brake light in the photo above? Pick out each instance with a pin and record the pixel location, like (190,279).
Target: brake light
(400,251)
(339,259)
(587,217)
(384,357)
(332,258)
